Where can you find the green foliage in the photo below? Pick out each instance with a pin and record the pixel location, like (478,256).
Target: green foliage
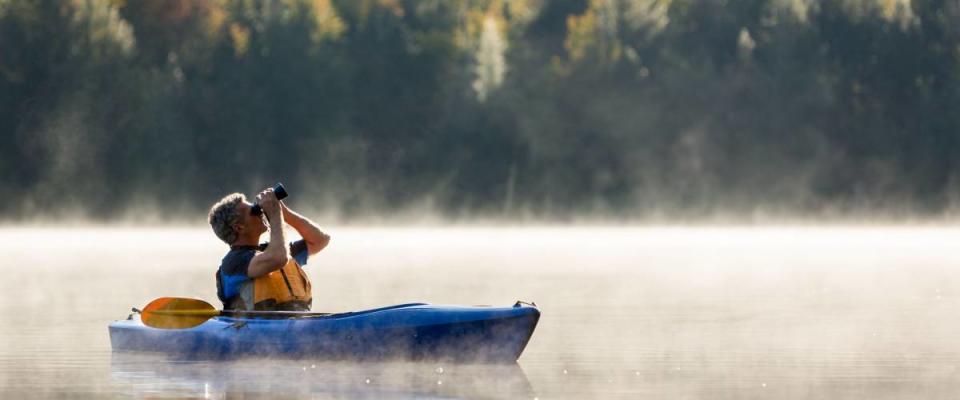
(624,108)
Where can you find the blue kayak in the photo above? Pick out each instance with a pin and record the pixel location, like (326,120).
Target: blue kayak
(413,331)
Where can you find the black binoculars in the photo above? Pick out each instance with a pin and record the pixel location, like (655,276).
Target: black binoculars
(277,190)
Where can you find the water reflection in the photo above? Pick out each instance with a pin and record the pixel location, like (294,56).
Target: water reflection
(145,375)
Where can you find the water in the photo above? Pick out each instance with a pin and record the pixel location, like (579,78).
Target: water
(808,312)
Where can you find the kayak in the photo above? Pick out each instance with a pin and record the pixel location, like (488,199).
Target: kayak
(414,331)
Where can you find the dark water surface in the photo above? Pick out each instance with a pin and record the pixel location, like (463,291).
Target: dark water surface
(835,312)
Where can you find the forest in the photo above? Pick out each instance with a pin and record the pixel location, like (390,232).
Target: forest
(562,110)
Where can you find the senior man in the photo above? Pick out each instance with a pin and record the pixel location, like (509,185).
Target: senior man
(263,276)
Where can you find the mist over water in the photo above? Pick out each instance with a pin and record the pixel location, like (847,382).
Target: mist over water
(701,312)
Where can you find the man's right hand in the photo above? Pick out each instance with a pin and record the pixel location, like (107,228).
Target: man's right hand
(268,202)
(275,255)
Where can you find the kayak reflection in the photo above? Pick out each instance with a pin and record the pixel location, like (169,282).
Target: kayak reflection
(150,375)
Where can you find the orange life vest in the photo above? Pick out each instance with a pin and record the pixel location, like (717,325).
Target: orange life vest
(287,288)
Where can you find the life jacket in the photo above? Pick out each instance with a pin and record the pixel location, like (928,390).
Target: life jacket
(285,285)
(287,288)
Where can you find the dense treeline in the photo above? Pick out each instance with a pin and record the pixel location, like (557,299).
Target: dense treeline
(480,108)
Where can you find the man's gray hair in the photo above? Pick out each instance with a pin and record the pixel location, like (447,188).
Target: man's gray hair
(223,215)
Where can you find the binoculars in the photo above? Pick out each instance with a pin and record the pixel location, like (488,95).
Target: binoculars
(277,190)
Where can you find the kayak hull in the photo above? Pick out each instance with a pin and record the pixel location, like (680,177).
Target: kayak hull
(409,331)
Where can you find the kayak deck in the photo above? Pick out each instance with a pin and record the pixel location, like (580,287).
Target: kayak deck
(413,331)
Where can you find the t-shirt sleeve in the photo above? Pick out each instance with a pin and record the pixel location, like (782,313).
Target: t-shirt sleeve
(233,273)
(298,250)
(238,263)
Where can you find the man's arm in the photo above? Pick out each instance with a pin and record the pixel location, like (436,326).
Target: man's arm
(275,255)
(315,238)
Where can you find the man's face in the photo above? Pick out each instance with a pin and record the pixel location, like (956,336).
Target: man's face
(250,222)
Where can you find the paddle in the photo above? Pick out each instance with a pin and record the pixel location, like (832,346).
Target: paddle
(181,313)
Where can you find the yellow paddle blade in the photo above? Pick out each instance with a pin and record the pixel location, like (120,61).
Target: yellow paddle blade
(177,313)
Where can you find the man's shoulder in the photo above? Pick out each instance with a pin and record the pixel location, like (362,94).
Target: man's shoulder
(235,262)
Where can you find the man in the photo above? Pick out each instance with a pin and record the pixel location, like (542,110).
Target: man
(268,276)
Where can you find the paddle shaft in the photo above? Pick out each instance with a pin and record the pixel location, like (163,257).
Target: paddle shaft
(180,313)
(216,313)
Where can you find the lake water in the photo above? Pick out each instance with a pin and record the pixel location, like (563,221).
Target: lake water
(793,312)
